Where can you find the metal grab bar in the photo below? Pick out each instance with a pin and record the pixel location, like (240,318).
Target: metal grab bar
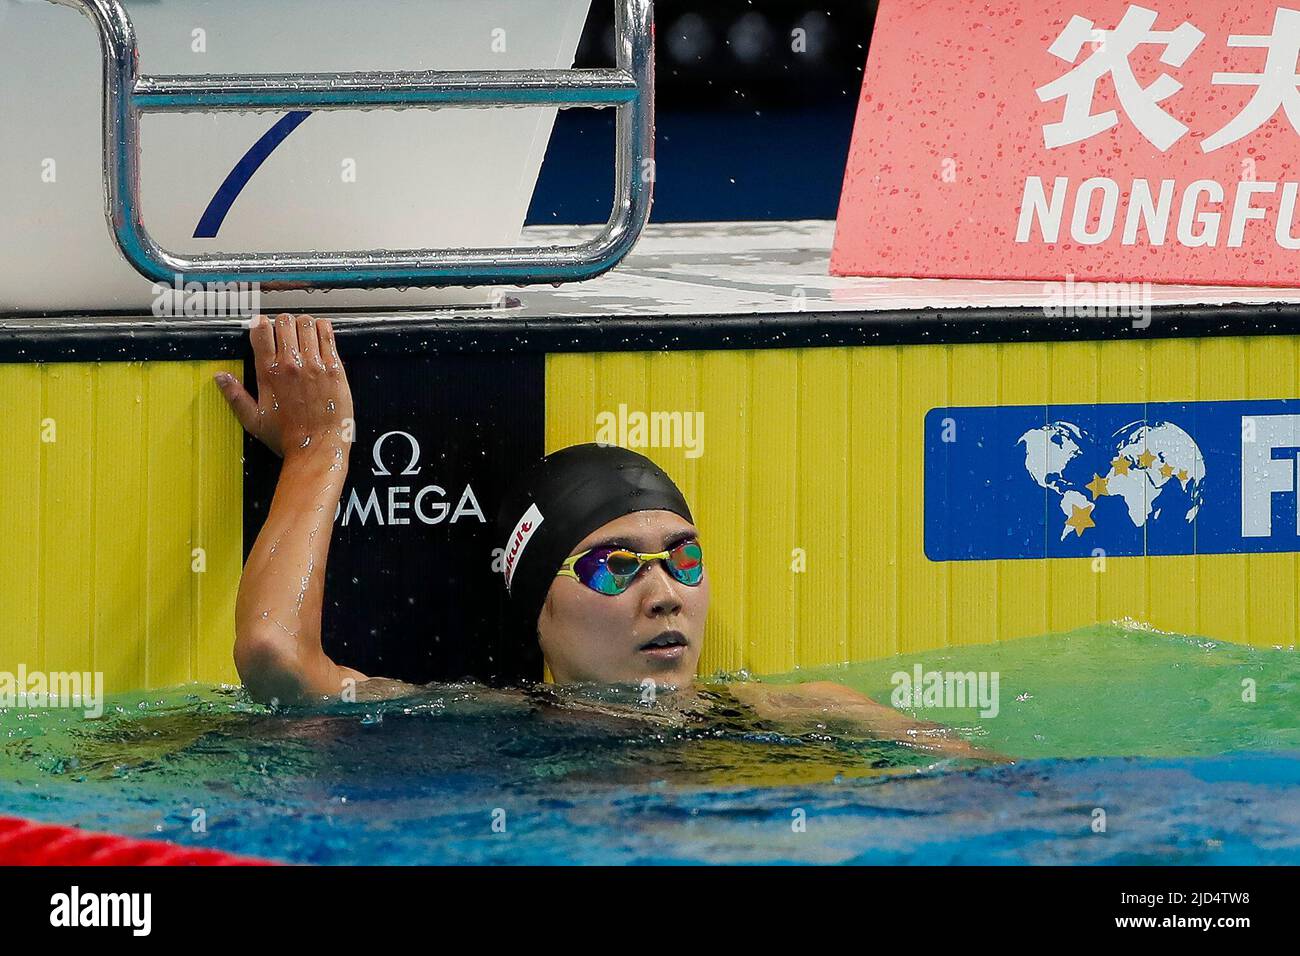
(629,89)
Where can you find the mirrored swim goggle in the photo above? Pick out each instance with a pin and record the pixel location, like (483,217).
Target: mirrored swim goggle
(612,570)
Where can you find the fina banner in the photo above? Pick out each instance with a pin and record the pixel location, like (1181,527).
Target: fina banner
(1060,481)
(1109,140)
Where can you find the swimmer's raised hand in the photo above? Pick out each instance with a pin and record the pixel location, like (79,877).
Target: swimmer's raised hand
(303,412)
(304,403)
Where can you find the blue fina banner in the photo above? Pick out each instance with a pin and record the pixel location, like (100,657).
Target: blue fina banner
(1062,481)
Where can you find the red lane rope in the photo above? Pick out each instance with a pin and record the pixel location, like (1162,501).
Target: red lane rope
(24,843)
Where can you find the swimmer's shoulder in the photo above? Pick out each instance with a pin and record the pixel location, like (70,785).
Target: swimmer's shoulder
(667,708)
(376,689)
(370,689)
(720,704)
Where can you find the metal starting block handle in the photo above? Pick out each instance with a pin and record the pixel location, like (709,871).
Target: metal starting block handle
(629,88)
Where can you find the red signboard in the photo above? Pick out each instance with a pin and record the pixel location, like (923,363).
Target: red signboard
(1033,139)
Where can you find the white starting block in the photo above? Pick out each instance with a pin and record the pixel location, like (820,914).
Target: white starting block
(304,144)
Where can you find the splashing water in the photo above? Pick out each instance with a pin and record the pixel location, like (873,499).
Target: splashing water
(1151,728)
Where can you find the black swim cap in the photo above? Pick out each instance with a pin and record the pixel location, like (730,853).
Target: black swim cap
(562,499)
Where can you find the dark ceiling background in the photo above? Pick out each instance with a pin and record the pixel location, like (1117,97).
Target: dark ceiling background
(748,126)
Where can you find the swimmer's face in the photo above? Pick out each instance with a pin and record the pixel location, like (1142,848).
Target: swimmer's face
(591,637)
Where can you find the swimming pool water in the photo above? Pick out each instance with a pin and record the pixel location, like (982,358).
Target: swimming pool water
(1151,729)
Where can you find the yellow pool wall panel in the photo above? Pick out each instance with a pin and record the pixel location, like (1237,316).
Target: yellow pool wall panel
(809,492)
(122,501)
(123,511)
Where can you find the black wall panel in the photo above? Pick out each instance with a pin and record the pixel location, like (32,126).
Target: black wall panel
(410,591)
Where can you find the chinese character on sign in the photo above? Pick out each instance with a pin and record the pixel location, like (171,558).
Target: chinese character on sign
(1110,56)
(1276,88)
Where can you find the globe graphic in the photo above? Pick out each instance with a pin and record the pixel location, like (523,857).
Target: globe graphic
(1155,469)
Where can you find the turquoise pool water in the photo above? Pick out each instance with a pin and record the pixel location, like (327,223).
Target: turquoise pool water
(1146,733)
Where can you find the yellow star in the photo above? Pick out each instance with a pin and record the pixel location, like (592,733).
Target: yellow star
(1097,486)
(1166,470)
(1182,475)
(1081,520)
(1146,459)
(1120,465)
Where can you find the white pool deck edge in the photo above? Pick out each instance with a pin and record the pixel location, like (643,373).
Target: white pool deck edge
(726,269)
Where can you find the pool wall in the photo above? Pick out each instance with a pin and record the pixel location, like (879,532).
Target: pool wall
(122,507)
(808,486)
(821,450)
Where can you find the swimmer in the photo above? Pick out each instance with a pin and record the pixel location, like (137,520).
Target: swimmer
(604,564)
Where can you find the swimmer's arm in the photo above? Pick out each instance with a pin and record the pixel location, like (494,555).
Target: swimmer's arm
(303,412)
(278,648)
(830,703)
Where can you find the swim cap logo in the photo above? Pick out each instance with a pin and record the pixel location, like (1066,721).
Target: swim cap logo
(524,530)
